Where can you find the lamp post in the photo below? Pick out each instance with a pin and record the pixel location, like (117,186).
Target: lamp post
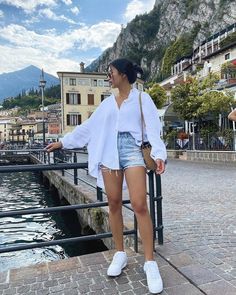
(42,84)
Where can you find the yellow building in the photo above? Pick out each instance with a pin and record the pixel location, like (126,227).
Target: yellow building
(81,93)
(5,126)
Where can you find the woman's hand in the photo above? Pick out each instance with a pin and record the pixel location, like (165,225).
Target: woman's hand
(53,146)
(160,166)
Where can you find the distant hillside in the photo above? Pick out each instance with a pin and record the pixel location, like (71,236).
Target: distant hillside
(11,84)
(156,40)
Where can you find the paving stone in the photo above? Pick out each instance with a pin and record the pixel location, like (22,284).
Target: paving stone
(219,288)
(110,292)
(4,286)
(184,289)
(10,291)
(171,277)
(198,274)
(4,277)
(28,272)
(180,259)
(126,287)
(23,289)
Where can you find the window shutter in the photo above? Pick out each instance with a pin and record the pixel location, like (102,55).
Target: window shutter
(79,119)
(78,98)
(68,120)
(90,99)
(67,98)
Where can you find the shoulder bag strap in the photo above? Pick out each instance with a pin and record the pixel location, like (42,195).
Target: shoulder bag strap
(142,117)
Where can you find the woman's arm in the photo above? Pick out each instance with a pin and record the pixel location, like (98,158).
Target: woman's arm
(153,128)
(232,115)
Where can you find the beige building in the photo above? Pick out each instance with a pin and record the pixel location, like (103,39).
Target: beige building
(5,126)
(81,93)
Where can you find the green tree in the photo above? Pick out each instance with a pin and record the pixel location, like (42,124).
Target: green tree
(196,100)
(186,99)
(158,94)
(215,102)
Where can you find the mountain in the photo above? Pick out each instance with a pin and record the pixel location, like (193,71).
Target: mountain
(171,30)
(11,84)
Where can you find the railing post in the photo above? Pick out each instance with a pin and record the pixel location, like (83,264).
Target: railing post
(75,170)
(159,209)
(99,194)
(136,234)
(151,201)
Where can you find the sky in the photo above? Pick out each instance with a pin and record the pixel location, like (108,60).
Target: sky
(57,35)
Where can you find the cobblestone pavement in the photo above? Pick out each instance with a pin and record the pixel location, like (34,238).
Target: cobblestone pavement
(199,213)
(199,216)
(87,275)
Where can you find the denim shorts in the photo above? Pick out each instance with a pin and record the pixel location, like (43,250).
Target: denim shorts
(130,154)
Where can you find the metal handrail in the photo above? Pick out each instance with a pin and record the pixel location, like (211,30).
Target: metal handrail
(42,155)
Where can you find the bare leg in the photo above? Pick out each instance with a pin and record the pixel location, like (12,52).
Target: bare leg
(136,181)
(113,185)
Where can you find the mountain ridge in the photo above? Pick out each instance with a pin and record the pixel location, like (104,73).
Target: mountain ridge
(147,38)
(13,83)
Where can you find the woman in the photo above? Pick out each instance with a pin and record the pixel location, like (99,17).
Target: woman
(114,134)
(232,115)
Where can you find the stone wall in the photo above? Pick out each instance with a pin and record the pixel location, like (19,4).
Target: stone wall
(212,156)
(206,156)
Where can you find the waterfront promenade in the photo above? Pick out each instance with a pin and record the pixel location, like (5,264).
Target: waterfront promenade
(198,255)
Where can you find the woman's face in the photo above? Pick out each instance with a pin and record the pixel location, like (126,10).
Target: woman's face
(115,77)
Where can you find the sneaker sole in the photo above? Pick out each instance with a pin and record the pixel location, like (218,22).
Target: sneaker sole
(115,275)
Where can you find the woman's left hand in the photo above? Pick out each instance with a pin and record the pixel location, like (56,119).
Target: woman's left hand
(160,166)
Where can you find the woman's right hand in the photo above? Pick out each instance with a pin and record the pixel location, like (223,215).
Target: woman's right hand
(53,146)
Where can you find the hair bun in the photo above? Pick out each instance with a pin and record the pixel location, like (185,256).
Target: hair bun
(138,69)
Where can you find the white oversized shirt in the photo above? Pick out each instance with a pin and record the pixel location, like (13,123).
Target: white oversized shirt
(100,131)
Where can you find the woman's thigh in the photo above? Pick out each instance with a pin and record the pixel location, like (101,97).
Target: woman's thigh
(113,181)
(136,182)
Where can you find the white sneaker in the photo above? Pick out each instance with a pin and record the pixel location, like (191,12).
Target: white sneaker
(154,280)
(119,261)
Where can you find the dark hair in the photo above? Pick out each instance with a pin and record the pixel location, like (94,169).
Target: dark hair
(126,66)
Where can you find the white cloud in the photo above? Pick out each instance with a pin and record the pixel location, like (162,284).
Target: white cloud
(31,56)
(101,35)
(1,13)
(29,5)
(75,10)
(51,15)
(136,7)
(67,2)
(48,50)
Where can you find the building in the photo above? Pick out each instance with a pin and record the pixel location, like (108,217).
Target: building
(81,93)
(5,126)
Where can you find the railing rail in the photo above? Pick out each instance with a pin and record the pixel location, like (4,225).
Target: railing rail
(67,160)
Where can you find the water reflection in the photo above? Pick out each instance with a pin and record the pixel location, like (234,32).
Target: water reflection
(22,191)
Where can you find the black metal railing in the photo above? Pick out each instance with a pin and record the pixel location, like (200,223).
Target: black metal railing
(67,160)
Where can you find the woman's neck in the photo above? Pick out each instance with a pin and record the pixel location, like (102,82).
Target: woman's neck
(124,91)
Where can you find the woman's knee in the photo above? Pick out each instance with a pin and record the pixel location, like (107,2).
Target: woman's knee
(115,204)
(140,208)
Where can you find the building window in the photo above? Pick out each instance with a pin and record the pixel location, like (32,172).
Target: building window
(100,83)
(73,98)
(95,83)
(72,82)
(73,119)
(90,99)
(103,96)
(106,83)
(227,56)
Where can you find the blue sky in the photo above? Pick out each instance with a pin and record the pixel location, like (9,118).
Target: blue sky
(57,35)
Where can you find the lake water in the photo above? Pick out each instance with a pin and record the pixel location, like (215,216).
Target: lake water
(25,190)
